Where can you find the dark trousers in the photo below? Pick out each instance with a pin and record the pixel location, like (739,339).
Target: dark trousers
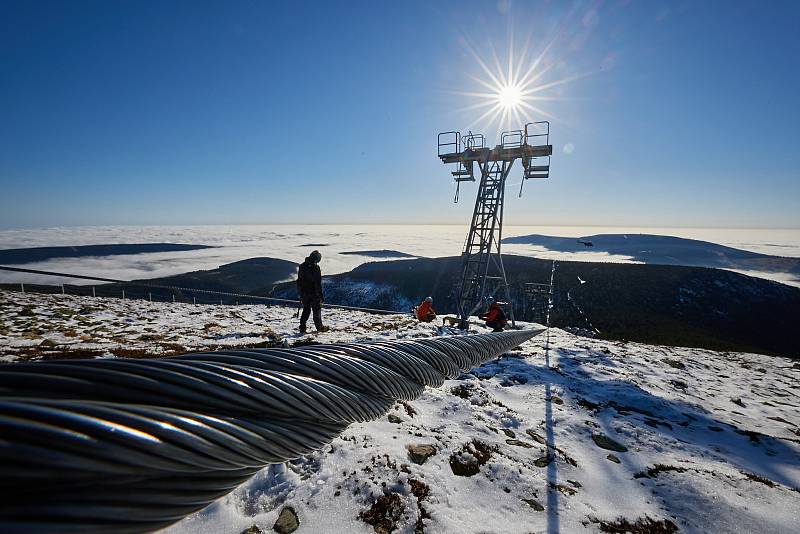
(309,305)
(497,326)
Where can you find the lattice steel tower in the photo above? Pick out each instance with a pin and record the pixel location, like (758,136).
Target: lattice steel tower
(482,272)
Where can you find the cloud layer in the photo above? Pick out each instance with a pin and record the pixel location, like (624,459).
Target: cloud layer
(286,242)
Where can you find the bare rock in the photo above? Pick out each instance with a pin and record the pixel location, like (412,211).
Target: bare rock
(604,442)
(420,453)
(533,503)
(536,437)
(287,521)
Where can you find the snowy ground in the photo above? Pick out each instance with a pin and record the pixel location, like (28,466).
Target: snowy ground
(711,440)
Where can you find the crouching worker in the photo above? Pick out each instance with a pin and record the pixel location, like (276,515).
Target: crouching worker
(424,311)
(309,288)
(494,316)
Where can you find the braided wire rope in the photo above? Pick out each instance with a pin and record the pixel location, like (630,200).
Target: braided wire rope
(128,445)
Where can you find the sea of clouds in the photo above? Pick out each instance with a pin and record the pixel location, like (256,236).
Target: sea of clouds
(238,242)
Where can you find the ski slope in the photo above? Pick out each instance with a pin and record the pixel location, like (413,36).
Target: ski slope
(575,435)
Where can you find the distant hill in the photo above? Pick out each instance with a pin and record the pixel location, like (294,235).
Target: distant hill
(665,250)
(16,256)
(378,253)
(659,304)
(254,275)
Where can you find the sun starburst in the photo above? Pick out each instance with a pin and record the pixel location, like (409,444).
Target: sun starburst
(511,93)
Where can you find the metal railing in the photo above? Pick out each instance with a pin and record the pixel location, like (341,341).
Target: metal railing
(179,289)
(451,143)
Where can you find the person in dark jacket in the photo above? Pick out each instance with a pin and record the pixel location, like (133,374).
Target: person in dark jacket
(309,288)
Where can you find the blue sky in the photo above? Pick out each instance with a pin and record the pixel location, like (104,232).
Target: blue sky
(663,113)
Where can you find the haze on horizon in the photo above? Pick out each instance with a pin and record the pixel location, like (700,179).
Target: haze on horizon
(663,114)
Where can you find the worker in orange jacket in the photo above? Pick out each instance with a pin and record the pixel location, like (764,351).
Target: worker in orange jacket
(494,316)
(424,311)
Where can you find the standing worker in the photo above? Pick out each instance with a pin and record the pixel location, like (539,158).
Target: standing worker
(309,288)
(424,311)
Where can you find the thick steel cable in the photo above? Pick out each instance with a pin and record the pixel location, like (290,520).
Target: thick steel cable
(129,445)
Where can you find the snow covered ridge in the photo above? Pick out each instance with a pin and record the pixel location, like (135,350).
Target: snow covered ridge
(588,436)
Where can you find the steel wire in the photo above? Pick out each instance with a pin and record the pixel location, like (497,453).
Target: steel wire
(128,445)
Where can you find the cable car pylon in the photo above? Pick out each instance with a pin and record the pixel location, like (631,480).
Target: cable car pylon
(482,271)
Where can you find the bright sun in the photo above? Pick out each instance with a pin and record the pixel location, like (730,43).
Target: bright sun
(512,91)
(509,97)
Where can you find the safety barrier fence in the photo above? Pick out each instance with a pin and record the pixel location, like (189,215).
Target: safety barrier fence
(124,445)
(243,297)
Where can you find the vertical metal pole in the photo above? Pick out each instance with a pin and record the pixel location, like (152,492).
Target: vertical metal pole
(194,300)
(173,298)
(500,239)
(123,294)
(150,296)
(62,290)
(22,286)
(220,301)
(93,292)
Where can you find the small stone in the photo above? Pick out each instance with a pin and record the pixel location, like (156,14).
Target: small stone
(287,521)
(394,419)
(48,343)
(510,433)
(575,483)
(613,458)
(604,442)
(543,461)
(556,400)
(536,437)
(252,530)
(738,402)
(565,490)
(518,443)
(420,453)
(533,503)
